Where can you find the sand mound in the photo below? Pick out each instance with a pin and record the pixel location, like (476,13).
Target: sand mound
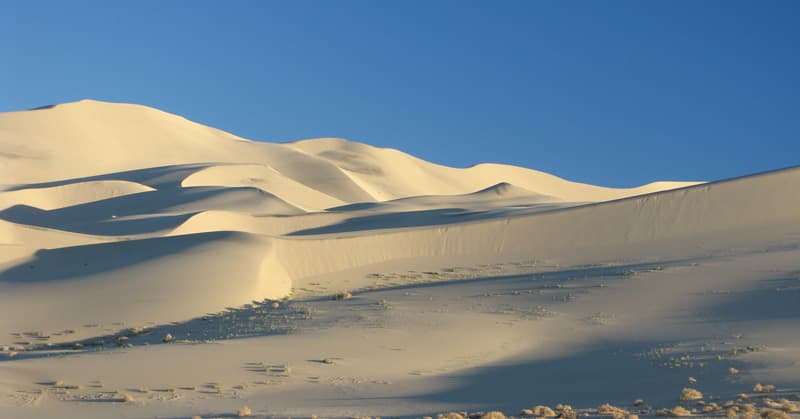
(48,198)
(133,137)
(727,213)
(265,178)
(140,280)
(185,230)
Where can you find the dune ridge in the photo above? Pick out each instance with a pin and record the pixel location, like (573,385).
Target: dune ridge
(125,229)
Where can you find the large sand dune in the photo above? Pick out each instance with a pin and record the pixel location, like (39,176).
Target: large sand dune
(470,284)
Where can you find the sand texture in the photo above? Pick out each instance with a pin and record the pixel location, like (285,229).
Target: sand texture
(151,266)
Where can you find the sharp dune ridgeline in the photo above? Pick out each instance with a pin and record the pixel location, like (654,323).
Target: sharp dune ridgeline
(392,286)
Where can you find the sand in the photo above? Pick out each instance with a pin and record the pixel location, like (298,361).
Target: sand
(491,287)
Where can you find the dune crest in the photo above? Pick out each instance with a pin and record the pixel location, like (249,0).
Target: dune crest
(413,285)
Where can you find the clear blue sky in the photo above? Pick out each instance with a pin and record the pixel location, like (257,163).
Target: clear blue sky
(613,93)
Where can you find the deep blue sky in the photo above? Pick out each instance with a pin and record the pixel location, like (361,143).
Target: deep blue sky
(613,93)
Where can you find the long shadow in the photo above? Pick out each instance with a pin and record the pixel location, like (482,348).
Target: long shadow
(608,372)
(159,177)
(100,217)
(265,318)
(78,261)
(419,218)
(255,319)
(772,299)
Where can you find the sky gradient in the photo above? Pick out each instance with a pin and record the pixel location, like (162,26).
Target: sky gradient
(610,93)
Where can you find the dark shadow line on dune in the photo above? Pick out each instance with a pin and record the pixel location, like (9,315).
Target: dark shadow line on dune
(107,216)
(151,176)
(421,218)
(79,261)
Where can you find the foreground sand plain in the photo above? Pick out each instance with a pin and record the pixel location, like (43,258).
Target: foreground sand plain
(487,288)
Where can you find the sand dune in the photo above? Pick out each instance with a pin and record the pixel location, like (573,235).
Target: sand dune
(488,287)
(70,194)
(265,178)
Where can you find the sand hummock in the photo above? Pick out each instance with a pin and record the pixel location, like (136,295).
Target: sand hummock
(491,288)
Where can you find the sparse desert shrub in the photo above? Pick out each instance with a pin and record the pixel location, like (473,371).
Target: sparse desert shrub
(450,415)
(748,408)
(612,411)
(768,413)
(711,407)
(493,415)
(244,411)
(127,398)
(568,414)
(134,331)
(543,412)
(168,338)
(679,411)
(788,405)
(344,295)
(690,394)
(763,388)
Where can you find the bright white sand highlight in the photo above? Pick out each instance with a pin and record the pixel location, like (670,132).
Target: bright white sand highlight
(487,288)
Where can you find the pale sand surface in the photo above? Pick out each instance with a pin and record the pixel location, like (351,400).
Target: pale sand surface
(487,288)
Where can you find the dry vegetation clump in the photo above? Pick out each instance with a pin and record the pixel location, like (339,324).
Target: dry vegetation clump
(690,394)
(747,409)
(168,338)
(768,413)
(565,412)
(493,415)
(450,415)
(763,388)
(244,412)
(613,411)
(543,411)
(788,405)
(676,411)
(344,295)
(711,407)
(127,398)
